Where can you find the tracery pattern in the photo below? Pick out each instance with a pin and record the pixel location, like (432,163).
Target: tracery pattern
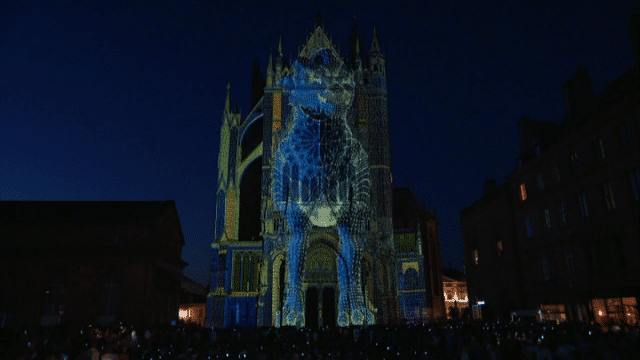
(321,178)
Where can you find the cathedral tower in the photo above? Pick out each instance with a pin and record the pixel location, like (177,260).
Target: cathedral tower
(304,233)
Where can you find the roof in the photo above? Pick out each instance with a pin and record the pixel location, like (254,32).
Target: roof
(615,92)
(316,42)
(405,198)
(486,197)
(407,209)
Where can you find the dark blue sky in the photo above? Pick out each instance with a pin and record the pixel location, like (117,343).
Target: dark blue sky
(121,100)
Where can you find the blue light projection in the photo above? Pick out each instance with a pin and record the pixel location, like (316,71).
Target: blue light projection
(321,179)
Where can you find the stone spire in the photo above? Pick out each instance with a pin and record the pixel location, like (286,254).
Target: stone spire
(270,71)
(279,60)
(318,21)
(355,40)
(227,102)
(376,59)
(375,47)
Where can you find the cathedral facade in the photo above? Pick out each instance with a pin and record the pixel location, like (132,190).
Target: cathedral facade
(304,230)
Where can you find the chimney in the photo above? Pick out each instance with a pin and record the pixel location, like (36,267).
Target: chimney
(578,97)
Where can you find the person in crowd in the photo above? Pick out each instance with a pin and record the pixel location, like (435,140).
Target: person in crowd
(453,340)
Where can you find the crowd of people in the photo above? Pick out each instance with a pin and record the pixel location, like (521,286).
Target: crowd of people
(460,340)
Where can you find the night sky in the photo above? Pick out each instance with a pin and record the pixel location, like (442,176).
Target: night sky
(122,100)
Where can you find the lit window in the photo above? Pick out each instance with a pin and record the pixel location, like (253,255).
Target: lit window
(475,256)
(183,314)
(563,214)
(523,192)
(540,182)
(574,163)
(599,147)
(528,225)
(547,219)
(608,195)
(582,201)
(634,175)
(556,173)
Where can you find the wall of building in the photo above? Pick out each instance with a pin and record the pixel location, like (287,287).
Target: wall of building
(568,214)
(577,226)
(79,273)
(491,252)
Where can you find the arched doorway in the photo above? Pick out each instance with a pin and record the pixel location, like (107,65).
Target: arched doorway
(329,307)
(311,308)
(320,278)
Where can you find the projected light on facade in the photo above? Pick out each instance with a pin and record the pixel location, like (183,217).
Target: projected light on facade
(317,142)
(329,184)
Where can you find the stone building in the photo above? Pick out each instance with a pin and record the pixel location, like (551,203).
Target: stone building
(304,231)
(456,296)
(575,196)
(574,199)
(79,262)
(419,262)
(491,252)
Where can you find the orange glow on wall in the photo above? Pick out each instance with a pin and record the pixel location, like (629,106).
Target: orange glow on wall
(192,313)
(277,106)
(554,312)
(615,310)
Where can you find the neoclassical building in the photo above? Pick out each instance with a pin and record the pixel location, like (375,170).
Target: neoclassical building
(304,232)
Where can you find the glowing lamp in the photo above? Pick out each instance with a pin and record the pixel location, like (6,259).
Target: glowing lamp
(183,314)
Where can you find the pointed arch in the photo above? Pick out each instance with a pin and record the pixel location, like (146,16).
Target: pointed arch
(277,289)
(255,271)
(250,196)
(246,272)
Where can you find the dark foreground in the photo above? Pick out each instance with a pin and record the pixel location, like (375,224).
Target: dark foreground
(454,340)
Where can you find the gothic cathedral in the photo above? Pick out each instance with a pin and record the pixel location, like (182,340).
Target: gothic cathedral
(304,232)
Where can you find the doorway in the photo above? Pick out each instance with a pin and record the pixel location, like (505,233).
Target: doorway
(329,307)
(311,308)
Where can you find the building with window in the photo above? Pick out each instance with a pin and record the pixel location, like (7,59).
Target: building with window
(456,297)
(573,205)
(578,233)
(79,262)
(418,258)
(193,302)
(491,251)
